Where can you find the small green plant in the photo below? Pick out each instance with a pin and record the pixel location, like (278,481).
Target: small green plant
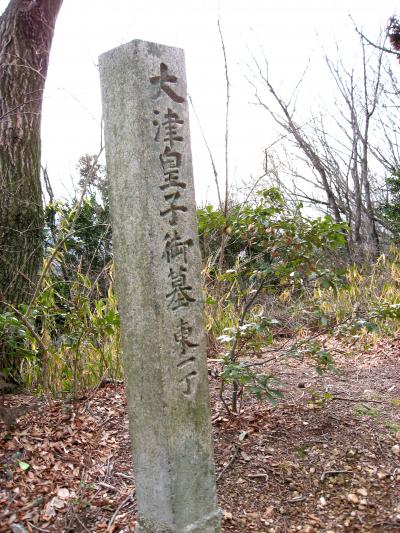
(365,410)
(390,210)
(392,426)
(319,400)
(262,386)
(67,338)
(269,252)
(302,450)
(368,301)
(320,355)
(65,344)
(265,387)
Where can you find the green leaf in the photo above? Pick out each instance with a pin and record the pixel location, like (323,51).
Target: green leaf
(210,300)
(24,466)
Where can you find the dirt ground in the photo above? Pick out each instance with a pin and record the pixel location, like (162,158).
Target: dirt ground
(314,463)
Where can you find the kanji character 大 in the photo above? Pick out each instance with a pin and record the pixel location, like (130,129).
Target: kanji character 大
(162,81)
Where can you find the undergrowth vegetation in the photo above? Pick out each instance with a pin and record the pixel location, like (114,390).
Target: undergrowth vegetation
(285,289)
(276,285)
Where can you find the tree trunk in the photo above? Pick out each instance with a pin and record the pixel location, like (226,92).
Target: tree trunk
(26,32)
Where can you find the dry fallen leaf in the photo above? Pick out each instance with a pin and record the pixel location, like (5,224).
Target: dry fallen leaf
(227,515)
(353,498)
(269,511)
(60,461)
(63,493)
(395,449)
(53,505)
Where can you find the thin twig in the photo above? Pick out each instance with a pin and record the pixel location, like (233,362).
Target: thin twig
(38,528)
(79,520)
(210,155)
(221,397)
(333,473)
(226,119)
(385,523)
(62,241)
(371,43)
(26,324)
(131,478)
(126,500)
(230,462)
(296,499)
(107,486)
(258,475)
(360,400)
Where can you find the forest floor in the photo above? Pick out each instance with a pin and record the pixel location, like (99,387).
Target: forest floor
(311,464)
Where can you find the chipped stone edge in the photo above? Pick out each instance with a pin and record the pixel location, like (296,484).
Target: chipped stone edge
(209,524)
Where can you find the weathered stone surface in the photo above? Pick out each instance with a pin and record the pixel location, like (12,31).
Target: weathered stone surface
(158,282)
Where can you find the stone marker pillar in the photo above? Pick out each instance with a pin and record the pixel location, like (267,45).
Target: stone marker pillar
(158,282)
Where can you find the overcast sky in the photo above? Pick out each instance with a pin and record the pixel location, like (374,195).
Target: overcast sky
(290,32)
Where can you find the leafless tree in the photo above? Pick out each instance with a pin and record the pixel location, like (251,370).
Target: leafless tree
(339,160)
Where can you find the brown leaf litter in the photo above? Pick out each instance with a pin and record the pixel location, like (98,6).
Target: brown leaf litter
(326,459)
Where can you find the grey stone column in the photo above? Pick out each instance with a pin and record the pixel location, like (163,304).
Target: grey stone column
(158,268)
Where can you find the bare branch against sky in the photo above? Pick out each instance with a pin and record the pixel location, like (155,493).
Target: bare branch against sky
(291,34)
